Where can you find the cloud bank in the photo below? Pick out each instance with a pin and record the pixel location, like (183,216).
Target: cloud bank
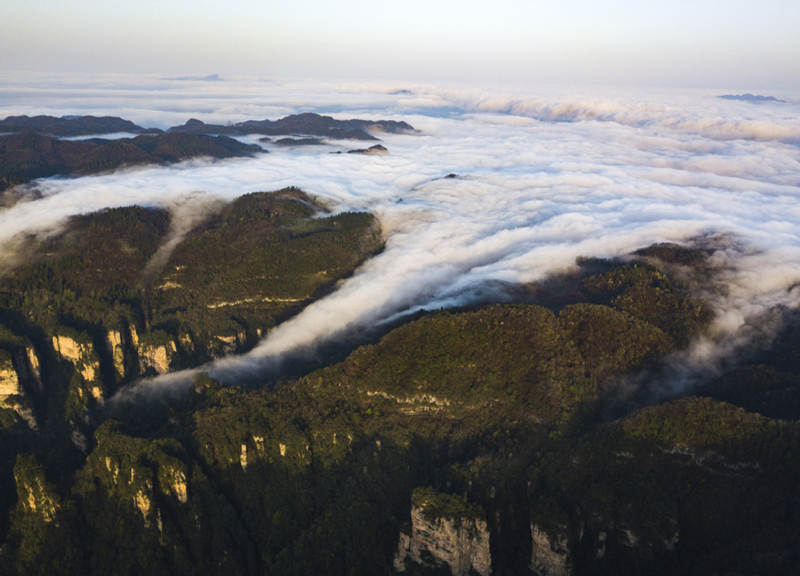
(538,185)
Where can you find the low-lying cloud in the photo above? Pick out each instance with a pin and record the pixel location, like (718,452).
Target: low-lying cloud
(532,194)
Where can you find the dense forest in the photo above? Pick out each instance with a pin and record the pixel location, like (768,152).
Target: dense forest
(533,436)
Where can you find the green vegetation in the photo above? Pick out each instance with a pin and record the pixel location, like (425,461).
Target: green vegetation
(436,505)
(87,310)
(495,413)
(612,342)
(650,294)
(769,381)
(261,258)
(29,155)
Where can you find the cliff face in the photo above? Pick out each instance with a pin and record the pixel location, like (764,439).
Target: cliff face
(549,552)
(460,542)
(495,408)
(36,498)
(9,381)
(72,333)
(117,349)
(80,354)
(156,358)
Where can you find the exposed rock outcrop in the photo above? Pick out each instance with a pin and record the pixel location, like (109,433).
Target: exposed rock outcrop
(81,354)
(228,344)
(143,502)
(9,380)
(33,365)
(156,358)
(117,349)
(173,481)
(448,531)
(18,371)
(550,552)
(34,495)
(243,457)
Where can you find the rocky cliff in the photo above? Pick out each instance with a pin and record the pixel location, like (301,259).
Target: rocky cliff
(71,334)
(445,531)
(550,552)
(506,413)
(9,380)
(306,123)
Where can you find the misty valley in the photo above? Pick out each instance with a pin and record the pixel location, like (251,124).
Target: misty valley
(266,347)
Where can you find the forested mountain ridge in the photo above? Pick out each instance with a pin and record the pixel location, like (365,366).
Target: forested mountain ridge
(70,125)
(307,123)
(496,438)
(117,296)
(30,155)
(33,147)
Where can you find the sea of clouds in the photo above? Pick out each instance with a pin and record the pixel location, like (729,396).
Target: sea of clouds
(543,176)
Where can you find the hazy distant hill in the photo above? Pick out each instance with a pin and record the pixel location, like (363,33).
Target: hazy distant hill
(307,124)
(752,98)
(33,149)
(26,156)
(70,125)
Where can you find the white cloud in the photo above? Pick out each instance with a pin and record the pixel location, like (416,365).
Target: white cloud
(533,192)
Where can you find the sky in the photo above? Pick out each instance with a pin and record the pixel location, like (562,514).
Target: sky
(734,44)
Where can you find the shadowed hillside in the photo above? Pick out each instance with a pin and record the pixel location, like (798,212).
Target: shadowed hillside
(27,156)
(470,440)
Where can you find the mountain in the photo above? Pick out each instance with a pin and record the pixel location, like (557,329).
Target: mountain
(752,98)
(27,156)
(503,439)
(72,333)
(33,149)
(299,142)
(70,125)
(308,124)
(377,150)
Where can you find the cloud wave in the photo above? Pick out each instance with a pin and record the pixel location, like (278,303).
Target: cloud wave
(532,194)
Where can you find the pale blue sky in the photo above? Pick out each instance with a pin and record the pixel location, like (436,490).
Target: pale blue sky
(708,43)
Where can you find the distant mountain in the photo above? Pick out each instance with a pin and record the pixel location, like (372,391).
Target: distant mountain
(376,150)
(71,125)
(752,98)
(24,157)
(307,123)
(299,142)
(34,148)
